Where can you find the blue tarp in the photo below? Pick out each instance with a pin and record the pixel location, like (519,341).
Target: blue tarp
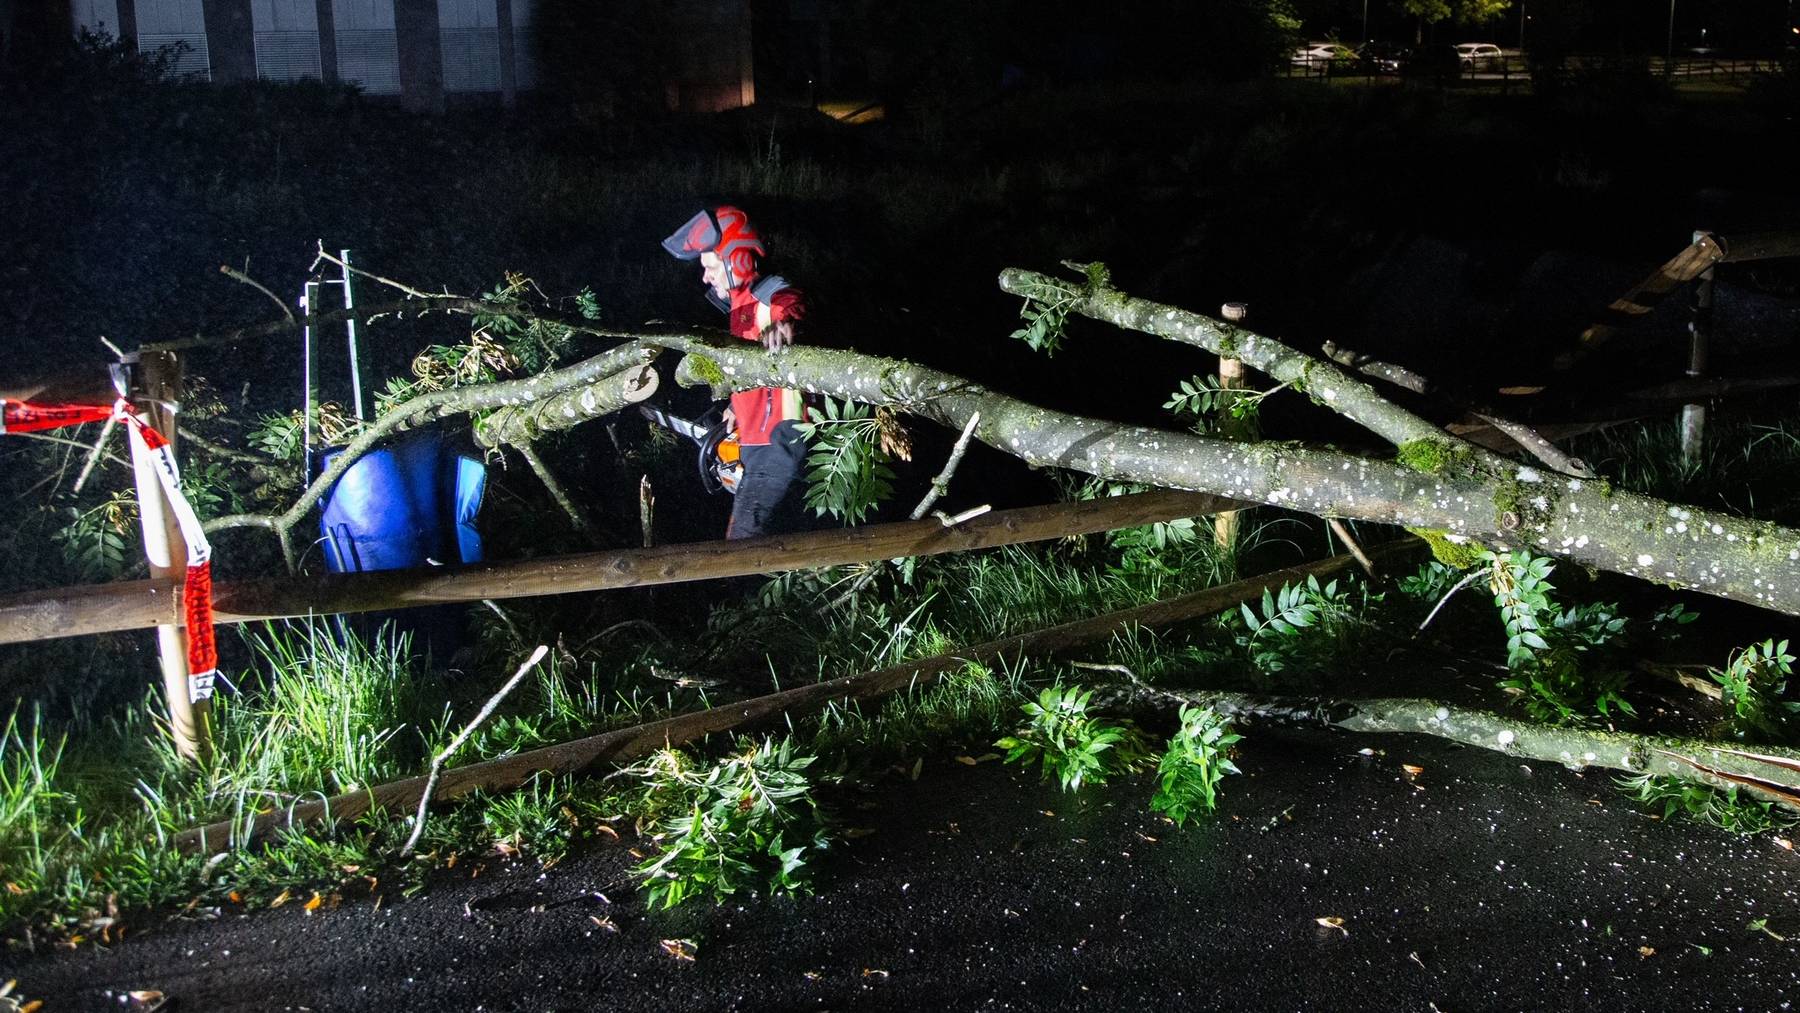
(407,505)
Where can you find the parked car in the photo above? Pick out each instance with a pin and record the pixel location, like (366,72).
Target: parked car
(1440,63)
(1323,55)
(1383,57)
(1480,56)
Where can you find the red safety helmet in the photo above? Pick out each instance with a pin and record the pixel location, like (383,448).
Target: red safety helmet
(725,231)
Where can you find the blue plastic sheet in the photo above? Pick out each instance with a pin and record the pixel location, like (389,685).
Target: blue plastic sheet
(407,505)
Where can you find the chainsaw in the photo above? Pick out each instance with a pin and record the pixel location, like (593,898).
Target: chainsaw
(720,463)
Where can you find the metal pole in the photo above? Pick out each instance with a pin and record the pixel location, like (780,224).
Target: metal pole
(356,393)
(1693,416)
(308,298)
(189,719)
(1521,27)
(1365,22)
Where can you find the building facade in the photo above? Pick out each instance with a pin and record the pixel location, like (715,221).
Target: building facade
(417,50)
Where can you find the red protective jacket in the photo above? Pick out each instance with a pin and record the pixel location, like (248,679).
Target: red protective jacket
(754,307)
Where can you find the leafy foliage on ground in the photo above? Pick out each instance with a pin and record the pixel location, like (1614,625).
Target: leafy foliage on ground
(746,821)
(1196,760)
(1070,744)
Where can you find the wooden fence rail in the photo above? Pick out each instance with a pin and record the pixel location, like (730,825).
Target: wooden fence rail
(109,608)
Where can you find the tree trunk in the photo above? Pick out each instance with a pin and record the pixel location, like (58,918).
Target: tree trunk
(1438,481)
(1470,495)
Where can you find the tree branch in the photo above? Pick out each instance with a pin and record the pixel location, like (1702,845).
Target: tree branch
(1708,763)
(1482,497)
(434,405)
(1527,438)
(240,276)
(1324,381)
(577,516)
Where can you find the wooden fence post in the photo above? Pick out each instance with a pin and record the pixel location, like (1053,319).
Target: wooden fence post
(1693,416)
(1231,377)
(165,551)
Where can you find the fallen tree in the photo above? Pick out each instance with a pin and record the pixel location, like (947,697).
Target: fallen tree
(1435,480)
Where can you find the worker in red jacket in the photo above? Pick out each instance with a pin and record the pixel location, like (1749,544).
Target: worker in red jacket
(762,309)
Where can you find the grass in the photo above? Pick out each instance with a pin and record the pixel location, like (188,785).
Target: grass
(1743,466)
(85,829)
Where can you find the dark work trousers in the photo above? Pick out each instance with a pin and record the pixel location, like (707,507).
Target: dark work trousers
(768,499)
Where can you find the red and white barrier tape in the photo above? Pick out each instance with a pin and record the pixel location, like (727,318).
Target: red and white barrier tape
(196,590)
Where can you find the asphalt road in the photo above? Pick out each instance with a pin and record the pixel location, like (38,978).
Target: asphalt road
(1479,883)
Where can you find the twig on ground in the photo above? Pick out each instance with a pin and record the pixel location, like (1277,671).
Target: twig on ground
(437,762)
(1094,666)
(235,275)
(1674,673)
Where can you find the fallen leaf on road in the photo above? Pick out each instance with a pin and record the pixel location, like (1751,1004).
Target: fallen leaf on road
(314,904)
(282,898)
(605,923)
(966,760)
(1762,925)
(1411,770)
(918,765)
(811,975)
(874,972)
(1414,957)
(1646,952)
(680,949)
(1332,922)
(1784,842)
